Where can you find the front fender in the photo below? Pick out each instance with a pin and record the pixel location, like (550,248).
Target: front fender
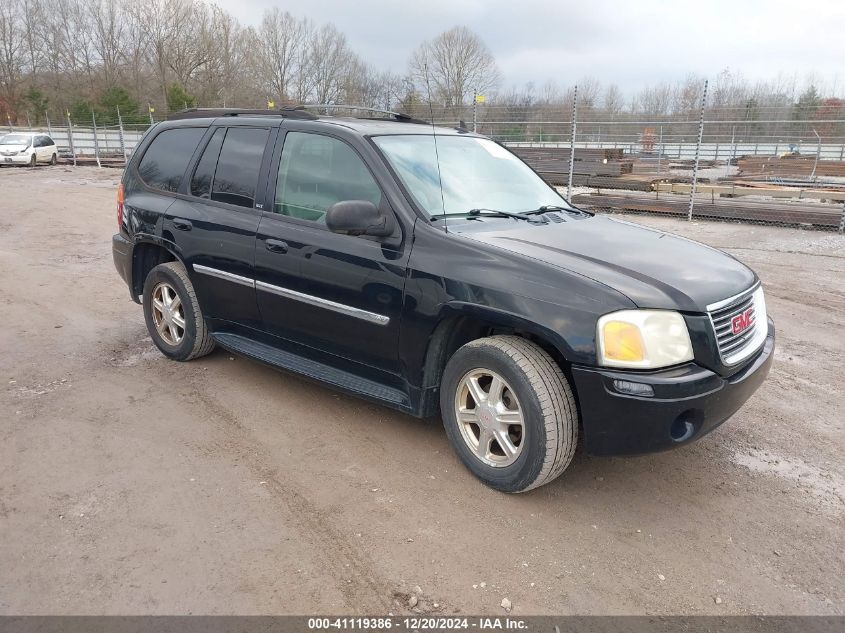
(543,314)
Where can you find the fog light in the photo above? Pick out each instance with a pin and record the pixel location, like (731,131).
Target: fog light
(681,430)
(633,388)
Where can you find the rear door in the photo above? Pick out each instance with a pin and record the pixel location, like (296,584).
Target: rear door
(45,152)
(152,181)
(215,220)
(340,294)
(50,147)
(38,146)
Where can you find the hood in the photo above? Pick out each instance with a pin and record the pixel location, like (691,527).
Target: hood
(12,149)
(652,268)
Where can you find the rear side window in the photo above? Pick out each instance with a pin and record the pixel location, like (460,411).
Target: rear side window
(167,157)
(204,173)
(236,177)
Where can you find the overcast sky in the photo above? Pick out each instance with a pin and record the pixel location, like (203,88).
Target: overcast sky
(631,43)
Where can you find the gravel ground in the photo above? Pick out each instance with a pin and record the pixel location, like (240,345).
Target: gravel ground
(130,484)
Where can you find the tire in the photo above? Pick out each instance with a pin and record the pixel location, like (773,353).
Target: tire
(171,280)
(54,159)
(533,386)
(33,161)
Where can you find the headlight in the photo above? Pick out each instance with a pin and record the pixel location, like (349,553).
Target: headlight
(643,339)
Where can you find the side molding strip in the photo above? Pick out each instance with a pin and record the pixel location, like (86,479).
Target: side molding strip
(222,274)
(372,317)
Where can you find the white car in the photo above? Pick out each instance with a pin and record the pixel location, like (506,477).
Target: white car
(27,149)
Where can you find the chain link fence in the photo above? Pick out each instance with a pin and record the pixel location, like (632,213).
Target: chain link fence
(716,164)
(779,166)
(104,139)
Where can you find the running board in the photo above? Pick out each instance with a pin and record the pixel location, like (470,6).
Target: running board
(312,369)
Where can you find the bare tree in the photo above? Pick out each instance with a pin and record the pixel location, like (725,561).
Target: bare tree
(109,29)
(455,63)
(224,78)
(79,41)
(193,48)
(393,89)
(162,25)
(589,89)
(613,101)
(283,51)
(71,53)
(654,101)
(12,52)
(687,96)
(328,62)
(32,15)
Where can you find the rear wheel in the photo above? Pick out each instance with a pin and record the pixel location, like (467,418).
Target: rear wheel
(509,413)
(173,315)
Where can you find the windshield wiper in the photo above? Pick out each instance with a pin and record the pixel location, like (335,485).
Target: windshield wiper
(505,214)
(546,208)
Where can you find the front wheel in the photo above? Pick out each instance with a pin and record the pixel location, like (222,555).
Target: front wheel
(54,159)
(173,315)
(509,413)
(33,161)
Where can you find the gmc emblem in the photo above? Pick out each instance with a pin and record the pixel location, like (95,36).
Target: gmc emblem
(741,322)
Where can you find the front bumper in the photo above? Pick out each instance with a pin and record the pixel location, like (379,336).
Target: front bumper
(15,159)
(688,402)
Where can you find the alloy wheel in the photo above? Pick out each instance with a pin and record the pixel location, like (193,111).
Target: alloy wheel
(489,417)
(168,314)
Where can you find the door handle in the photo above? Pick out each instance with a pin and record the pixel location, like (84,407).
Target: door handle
(276,246)
(182,225)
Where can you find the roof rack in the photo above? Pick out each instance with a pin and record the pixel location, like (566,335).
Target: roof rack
(291,112)
(398,116)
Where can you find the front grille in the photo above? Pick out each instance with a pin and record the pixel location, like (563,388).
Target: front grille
(734,348)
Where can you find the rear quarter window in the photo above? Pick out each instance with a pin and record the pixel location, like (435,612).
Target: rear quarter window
(166,159)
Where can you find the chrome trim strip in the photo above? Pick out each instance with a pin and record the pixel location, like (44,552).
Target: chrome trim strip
(726,302)
(761,329)
(372,317)
(222,274)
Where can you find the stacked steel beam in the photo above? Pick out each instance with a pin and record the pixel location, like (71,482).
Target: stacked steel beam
(790,166)
(552,163)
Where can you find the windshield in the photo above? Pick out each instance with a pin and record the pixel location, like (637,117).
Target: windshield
(476,174)
(16,139)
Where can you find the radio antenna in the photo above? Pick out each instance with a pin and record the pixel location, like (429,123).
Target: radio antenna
(436,153)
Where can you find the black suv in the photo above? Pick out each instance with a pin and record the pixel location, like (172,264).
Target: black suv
(432,271)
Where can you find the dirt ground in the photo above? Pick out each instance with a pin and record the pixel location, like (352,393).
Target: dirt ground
(130,484)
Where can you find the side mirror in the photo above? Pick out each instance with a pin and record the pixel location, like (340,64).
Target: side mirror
(358,217)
